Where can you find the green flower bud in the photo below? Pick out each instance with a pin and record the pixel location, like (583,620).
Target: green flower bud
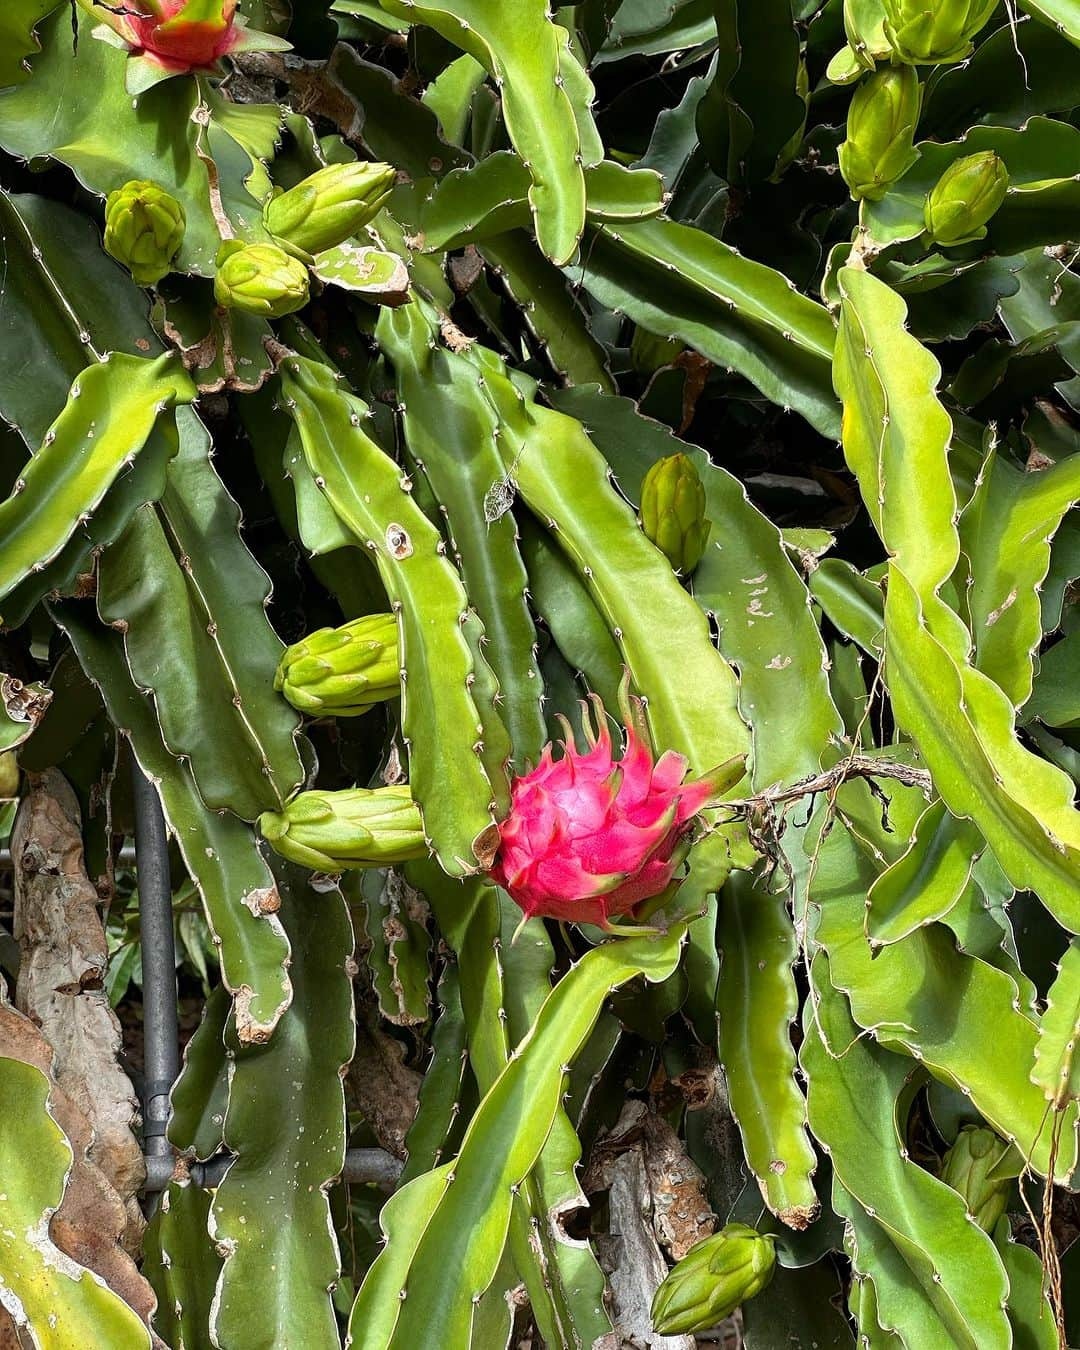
(965,1168)
(359,827)
(881,131)
(343,671)
(261,279)
(964,198)
(9,775)
(933,32)
(144,228)
(673,511)
(712,1279)
(328,207)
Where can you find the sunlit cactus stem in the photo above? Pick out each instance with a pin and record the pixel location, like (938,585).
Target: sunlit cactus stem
(354,828)
(712,1279)
(343,672)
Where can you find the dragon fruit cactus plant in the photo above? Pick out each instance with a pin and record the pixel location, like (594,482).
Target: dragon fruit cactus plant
(571,510)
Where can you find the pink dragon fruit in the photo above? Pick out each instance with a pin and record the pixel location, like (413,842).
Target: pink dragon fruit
(172,37)
(185,32)
(589,836)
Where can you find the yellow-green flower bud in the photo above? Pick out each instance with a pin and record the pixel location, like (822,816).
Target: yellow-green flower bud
(966,1167)
(343,671)
(358,827)
(964,198)
(261,279)
(712,1279)
(933,32)
(9,775)
(881,131)
(144,228)
(673,511)
(328,207)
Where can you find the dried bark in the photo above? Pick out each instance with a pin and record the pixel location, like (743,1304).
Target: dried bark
(60,986)
(632,1259)
(381,1085)
(657,1203)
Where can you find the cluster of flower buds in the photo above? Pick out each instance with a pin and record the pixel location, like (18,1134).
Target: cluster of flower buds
(324,210)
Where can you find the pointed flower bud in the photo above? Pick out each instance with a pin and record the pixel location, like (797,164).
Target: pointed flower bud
(590,836)
(673,511)
(144,228)
(342,671)
(359,827)
(328,207)
(712,1279)
(261,279)
(881,131)
(966,1168)
(934,32)
(9,775)
(964,198)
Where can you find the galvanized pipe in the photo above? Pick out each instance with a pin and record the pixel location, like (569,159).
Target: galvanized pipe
(370,1166)
(161,1052)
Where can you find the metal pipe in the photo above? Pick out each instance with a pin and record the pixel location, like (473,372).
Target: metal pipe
(363,1166)
(161,1053)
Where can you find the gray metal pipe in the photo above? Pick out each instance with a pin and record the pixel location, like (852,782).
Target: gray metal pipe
(161,1052)
(363,1166)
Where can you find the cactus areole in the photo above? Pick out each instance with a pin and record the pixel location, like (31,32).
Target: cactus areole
(590,836)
